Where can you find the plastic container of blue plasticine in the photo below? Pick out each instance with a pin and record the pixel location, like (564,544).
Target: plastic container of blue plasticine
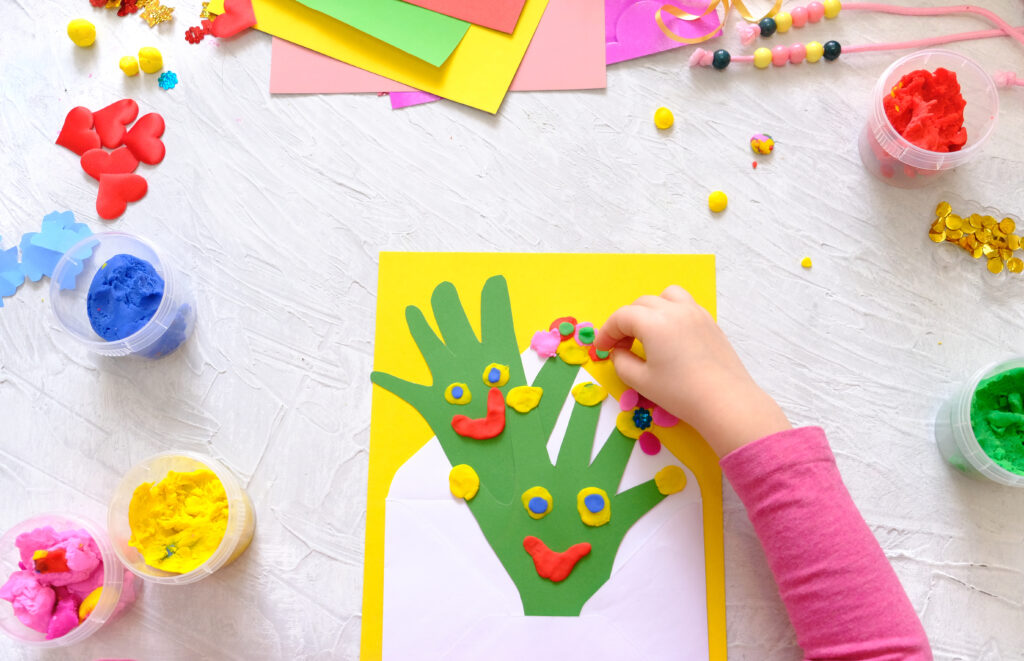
(72,280)
(895,160)
(119,586)
(955,435)
(241,521)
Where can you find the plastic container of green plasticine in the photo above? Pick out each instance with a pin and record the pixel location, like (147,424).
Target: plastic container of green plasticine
(241,521)
(955,434)
(118,585)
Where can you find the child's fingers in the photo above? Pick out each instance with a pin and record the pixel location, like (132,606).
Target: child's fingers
(624,323)
(677,294)
(631,368)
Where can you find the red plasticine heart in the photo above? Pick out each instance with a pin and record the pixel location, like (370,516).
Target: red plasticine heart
(144,139)
(77,133)
(110,121)
(97,162)
(116,191)
(238,15)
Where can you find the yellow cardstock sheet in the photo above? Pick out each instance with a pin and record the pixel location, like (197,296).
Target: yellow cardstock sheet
(478,73)
(542,287)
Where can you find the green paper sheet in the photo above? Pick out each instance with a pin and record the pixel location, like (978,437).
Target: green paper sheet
(420,32)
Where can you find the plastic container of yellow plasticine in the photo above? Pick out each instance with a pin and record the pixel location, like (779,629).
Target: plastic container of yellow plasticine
(118,585)
(894,159)
(241,520)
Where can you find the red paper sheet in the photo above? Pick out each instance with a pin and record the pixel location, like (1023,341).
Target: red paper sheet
(495,14)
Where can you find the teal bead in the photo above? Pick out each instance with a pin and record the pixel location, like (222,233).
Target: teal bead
(768,26)
(721,59)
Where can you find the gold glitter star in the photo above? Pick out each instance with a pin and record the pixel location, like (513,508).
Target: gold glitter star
(113,4)
(155,12)
(206,12)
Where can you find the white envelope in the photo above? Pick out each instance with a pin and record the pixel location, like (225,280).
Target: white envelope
(446,595)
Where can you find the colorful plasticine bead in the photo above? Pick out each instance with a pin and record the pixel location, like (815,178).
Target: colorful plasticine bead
(150,59)
(718,200)
(815,12)
(721,59)
(783,21)
(762,58)
(814,51)
(129,65)
(762,143)
(82,32)
(663,118)
(780,56)
(768,26)
(832,8)
(831,50)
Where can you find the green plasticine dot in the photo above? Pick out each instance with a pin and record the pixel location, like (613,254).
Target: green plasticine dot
(602,354)
(587,335)
(565,328)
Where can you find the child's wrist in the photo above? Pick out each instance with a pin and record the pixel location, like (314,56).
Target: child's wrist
(743,418)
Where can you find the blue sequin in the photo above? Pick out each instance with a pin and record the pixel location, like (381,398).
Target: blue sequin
(538,505)
(457,392)
(642,418)
(594,502)
(494,375)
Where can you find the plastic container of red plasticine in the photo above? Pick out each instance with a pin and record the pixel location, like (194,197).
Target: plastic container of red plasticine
(119,586)
(893,159)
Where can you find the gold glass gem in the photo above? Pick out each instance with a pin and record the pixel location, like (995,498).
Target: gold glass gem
(995,265)
(937,237)
(1007,225)
(1015,265)
(943,209)
(954,222)
(988,221)
(953,235)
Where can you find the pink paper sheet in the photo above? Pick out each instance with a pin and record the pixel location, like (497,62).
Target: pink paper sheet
(406,99)
(632,32)
(567,53)
(499,15)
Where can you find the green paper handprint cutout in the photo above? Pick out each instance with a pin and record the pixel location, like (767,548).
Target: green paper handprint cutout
(555,527)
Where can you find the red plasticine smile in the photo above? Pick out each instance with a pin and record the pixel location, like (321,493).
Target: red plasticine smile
(488,426)
(553,565)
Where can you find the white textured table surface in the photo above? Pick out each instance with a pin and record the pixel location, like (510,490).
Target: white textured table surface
(279,206)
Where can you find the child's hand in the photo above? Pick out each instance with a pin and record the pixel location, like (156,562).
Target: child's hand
(691,370)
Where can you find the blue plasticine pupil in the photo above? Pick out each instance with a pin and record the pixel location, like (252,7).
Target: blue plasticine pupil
(594,502)
(457,392)
(538,505)
(494,375)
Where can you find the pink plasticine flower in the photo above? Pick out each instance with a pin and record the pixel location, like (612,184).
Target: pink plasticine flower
(639,417)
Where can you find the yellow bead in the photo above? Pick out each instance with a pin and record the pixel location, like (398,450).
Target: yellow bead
(832,8)
(129,65)
(783,21)
(762,58)
(663,118)
(814,51)
(82,32)
(805,262)
(150,60)
(717,201)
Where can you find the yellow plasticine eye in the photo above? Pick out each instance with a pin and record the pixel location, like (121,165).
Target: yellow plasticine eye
(495,375)
(463,481)
(538,502)
(670,480)
(593,506)
(524,398)
(589,394)
(458,393)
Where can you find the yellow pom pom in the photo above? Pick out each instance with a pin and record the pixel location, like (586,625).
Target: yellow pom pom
(524,398)
(129,65)
(463,481)
(88,604)
(783,21)
(762,58)
(663,118)
(814,51)
(670,480)
(535,508)
(805,262)
(593,506)
(589,394)
(832,8)
(717,201)
(150,60)
(82,32)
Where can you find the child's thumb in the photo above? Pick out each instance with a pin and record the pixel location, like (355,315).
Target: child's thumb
(632,369)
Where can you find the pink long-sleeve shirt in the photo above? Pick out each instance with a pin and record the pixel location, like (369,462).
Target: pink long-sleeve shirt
(842,596)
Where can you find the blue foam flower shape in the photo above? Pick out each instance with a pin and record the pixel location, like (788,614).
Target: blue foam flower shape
(11,276)
(41,250)
(168,80)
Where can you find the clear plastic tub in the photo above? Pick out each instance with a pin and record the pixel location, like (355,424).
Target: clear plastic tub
(893,159)
(72,278)
(240,526)
(955,435)
(119,586)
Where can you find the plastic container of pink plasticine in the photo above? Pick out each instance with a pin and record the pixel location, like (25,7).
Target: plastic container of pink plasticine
(118,584)
(893,159)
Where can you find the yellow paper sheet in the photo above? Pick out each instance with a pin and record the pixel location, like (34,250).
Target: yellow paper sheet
(542,287)
(478,73)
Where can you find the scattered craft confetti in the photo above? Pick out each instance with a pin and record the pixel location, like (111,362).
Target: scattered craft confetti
(128,7)
(663,118)
(168,80)
(762,143)
(11,276)
(238,15)
(153,12)
(77,134)
(717,201)
(82,32)
(144,139)
(97,162)
(40,251)
(110,122)
(980,236)
(150,59)
(116,191)
(806,262)
(129,65)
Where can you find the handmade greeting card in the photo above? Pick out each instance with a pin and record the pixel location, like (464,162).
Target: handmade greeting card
(523,502)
